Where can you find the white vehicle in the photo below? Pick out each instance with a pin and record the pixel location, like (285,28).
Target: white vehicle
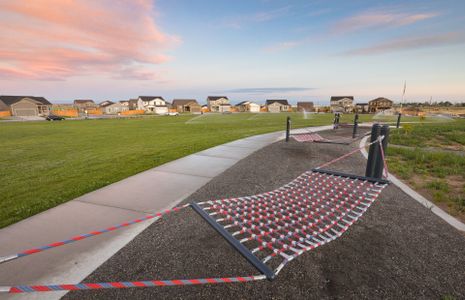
(173,113)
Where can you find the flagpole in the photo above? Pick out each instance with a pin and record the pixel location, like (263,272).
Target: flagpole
(403,94)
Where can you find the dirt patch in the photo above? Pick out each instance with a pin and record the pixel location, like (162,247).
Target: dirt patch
(456,187)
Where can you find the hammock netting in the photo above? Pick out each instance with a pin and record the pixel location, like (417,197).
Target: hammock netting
(280,225)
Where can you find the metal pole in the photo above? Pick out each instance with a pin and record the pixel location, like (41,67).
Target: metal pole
(372,152)
(398,120)
(354,132)
(288,128)
(379,166)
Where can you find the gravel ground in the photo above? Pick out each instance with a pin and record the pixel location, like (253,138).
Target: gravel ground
(398,249)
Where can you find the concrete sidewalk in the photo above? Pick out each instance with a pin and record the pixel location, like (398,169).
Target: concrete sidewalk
(147,192)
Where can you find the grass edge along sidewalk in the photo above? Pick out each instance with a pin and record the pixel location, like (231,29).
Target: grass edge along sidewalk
(44,164)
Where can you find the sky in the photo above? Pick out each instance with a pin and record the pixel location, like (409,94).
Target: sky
(244,49)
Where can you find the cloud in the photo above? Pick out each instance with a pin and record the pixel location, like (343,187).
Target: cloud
(57,39)
(258,90)
(410,43)
(238,22)
(377,19)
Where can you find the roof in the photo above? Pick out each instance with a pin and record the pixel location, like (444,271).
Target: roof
(245,103)
(280,101)
(9,100)
(106,103)
(148,98)
(380,99)
(83,101)
(213,98)
(307,103)
(177,102)
(337,98)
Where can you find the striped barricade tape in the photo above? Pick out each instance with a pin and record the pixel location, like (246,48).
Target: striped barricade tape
(4,259)
(125,284)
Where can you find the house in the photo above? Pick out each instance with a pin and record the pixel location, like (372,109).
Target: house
(248,106)
(124,103)
(25,106)
(136,104)
(104,104)
(186,105)
(114,108)
(154,104)
(277,105)
(83,105)
(342,104)
(218,103)
(379,104)
(305,106)
(361,108)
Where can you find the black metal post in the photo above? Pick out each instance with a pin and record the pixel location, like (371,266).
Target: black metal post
(373,151)
(336,121)
(288,128)
(379,166)
(257,263)
(354,132)
(398,120)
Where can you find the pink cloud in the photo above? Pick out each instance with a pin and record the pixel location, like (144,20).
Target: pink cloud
(451,38)
(57,39)
(371,19)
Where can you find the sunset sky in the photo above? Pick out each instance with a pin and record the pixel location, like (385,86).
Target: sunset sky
(247,50)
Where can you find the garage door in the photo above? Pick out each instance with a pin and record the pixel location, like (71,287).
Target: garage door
(25,112)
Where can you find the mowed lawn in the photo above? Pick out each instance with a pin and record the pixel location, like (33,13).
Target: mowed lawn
(43,164)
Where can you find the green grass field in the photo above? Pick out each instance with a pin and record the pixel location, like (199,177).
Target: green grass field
(429,164)
(43,164)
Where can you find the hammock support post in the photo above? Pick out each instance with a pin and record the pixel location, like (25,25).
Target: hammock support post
(336,120)
(288,128)
(373,152)
(354,132)
(379,166)
(398,120)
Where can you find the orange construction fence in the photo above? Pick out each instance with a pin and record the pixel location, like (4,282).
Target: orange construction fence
(133,112)
(5,114)
(66,112)
(94,112)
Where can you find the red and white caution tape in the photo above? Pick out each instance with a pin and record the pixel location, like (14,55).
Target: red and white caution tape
(4,259)
(124,284)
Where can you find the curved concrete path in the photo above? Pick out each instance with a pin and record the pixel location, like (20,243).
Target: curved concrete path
(151,191)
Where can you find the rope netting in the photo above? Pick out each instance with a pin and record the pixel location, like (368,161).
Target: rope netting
(311,211)
(304,135)
(273,227)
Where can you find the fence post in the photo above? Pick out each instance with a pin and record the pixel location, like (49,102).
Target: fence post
(398,120)
(288,128)
(373,151)
(379,166)
(336,121)
(354,132)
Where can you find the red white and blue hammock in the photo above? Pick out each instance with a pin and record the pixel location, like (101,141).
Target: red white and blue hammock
(269,229)
(304,136)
